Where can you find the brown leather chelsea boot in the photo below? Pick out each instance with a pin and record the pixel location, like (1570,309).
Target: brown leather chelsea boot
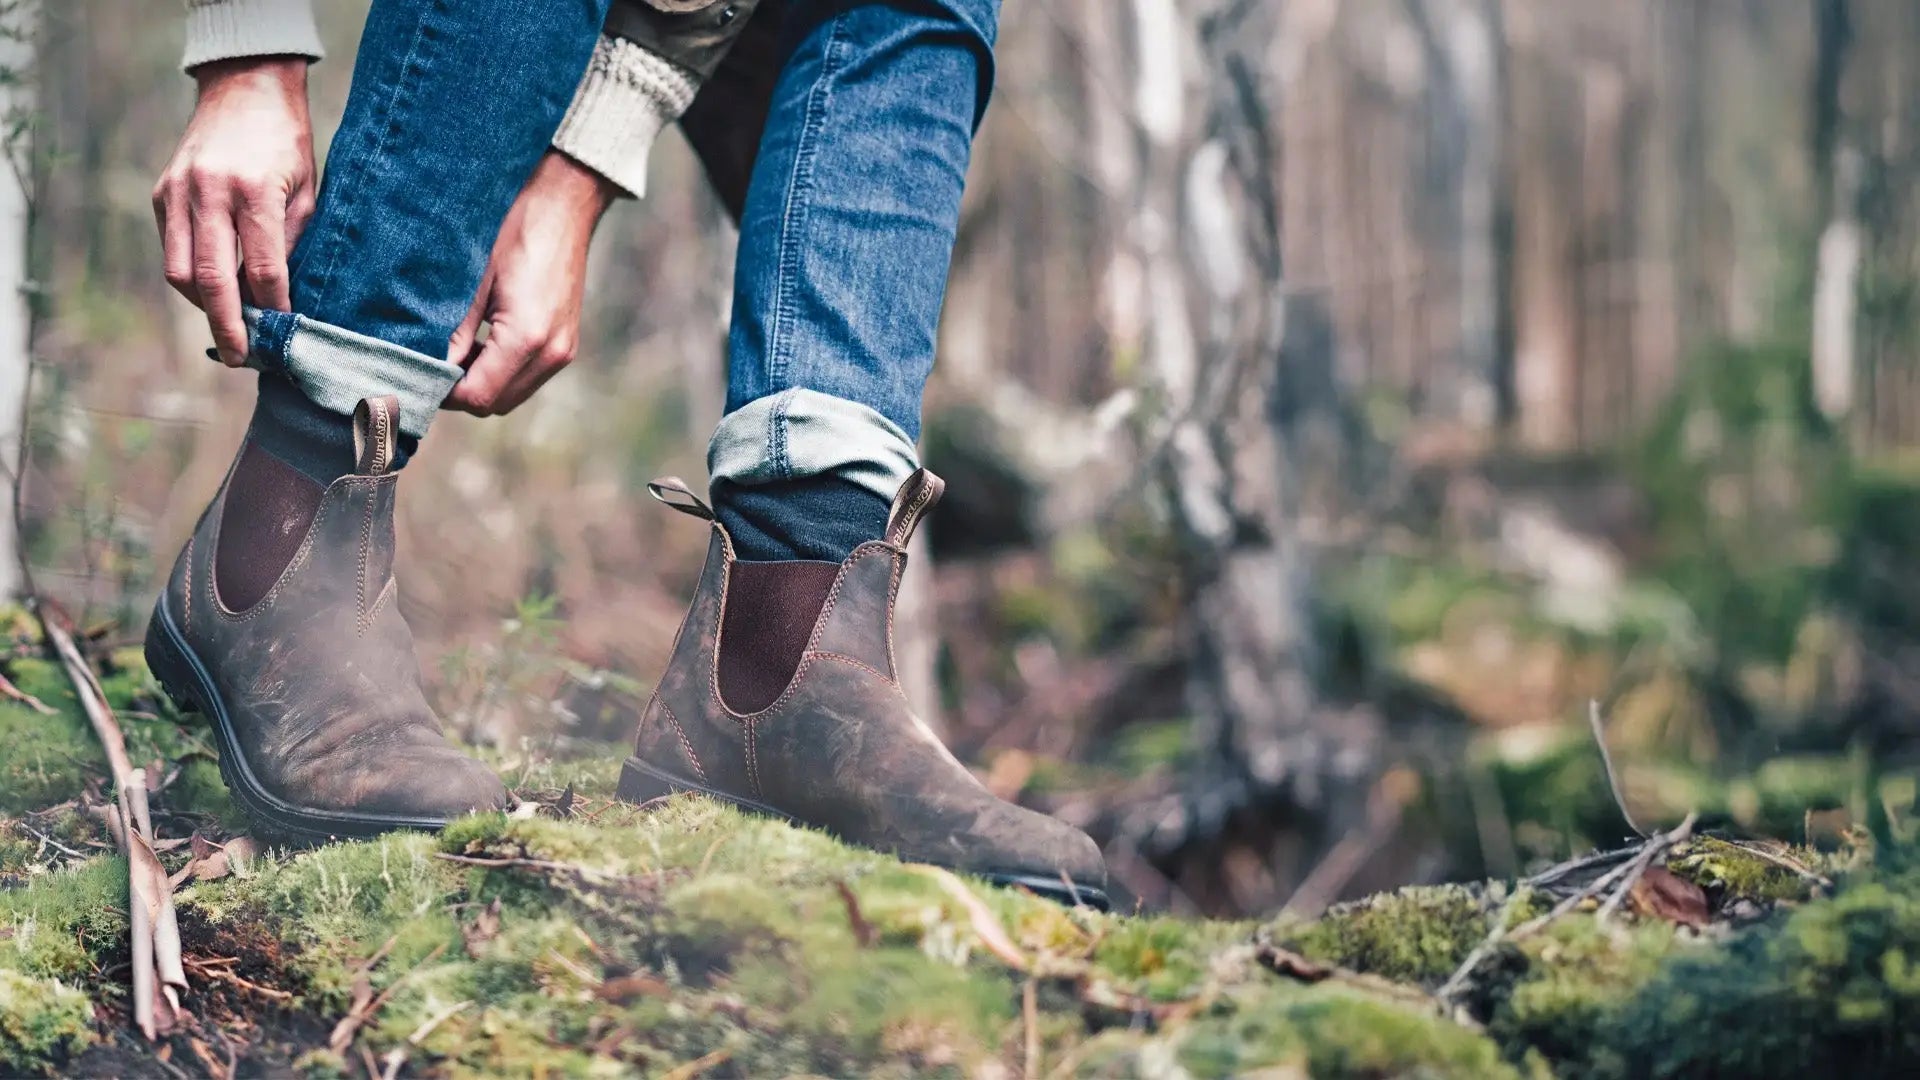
(782,697)
(279,624)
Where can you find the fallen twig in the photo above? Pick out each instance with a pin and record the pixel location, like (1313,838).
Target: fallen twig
(397,1056)
(985,923)
(158,973)
(366,1003)
(863,934)
(1660,842)
(1636,869)
(1821,881)
(14,693)
(49,842)
(1030,1016)
(219,971)
(697,1066)
(1606,759)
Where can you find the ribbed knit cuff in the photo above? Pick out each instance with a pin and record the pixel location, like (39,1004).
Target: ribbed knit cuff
(628,95)
(226,29)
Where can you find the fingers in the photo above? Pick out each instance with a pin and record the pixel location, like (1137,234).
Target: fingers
(463,347)
(216,273)
(263,251)
(549,362)
(508,369)
(170,213)
(225,241)
(299,211)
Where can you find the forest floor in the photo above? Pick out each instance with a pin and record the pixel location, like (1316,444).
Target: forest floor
(581,936)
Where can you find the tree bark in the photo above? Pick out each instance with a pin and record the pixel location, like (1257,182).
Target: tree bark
(18,34)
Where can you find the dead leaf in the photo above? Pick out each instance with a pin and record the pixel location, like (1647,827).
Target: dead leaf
(209,863)
(629,988)
(1293,965)
(1664,894)
(985,924)
(241,851)
(483,929)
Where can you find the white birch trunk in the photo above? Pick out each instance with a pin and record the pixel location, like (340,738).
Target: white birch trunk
(16,105)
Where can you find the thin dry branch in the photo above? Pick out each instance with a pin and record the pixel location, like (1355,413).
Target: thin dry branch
(1606,759)
(1626,871)
(14,693)
(1819,881)
(158,971)
(1637,869)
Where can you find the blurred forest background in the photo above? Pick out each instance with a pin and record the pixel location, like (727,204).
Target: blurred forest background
(1336,396)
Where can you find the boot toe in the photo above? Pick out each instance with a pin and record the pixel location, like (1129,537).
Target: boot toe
(428,782)
(1017,846)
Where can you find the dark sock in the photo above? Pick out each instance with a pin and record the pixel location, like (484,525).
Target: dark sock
(269,506)
(771,609)
(815,517)
(314,441)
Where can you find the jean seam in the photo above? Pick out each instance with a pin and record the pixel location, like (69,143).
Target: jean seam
(777,436)
(793,215)
(397,102)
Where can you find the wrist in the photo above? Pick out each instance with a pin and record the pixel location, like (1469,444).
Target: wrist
(567,181)
(284,75)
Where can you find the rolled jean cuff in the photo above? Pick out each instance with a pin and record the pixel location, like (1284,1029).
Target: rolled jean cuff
(336,368)
(800,433)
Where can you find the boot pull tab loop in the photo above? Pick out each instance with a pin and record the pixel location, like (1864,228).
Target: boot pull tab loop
(917,496)
(674,492)
(375,422)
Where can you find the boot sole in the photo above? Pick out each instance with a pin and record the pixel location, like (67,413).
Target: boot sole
(185,680)
(641,783)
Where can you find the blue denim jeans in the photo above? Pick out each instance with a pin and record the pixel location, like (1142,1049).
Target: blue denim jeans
(845,239)
(442,127)
(844,247)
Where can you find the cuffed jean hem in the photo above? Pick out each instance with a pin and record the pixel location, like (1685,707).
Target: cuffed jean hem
(799,433)
(336,368)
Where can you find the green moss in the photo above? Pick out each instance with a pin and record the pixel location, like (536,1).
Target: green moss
(1833,991)
(61,924)
(1164,959)
(1329,1031)
(1415,935)
(1730,871)
(1575,977)
(792,953)
(42,1022)
(49,759)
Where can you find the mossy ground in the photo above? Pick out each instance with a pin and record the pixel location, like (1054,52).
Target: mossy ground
(686,938)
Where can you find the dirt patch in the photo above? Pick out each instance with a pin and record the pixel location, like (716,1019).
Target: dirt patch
(242,1011)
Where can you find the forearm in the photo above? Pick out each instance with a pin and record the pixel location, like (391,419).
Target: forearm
(628,94)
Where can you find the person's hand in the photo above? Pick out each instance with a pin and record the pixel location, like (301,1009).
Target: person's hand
(532,291)
(238,191)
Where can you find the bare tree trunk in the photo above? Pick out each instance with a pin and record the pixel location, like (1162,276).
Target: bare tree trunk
(1465,117)
(1225,436)
(1837,260)
(18,33)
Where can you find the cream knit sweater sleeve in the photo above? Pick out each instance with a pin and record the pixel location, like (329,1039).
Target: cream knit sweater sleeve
(626,97)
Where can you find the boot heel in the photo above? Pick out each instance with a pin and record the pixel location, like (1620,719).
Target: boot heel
(169,667)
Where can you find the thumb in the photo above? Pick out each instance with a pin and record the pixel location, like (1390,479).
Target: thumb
(463,346)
